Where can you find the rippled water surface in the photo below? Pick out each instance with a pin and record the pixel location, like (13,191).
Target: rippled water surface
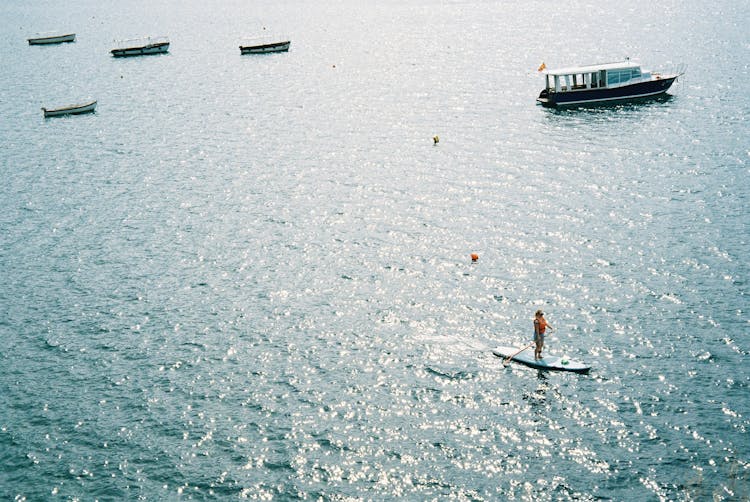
(250,276)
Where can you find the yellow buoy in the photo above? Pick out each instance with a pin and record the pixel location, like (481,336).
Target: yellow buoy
(435,139)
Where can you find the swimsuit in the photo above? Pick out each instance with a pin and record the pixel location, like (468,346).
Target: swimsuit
(542,327)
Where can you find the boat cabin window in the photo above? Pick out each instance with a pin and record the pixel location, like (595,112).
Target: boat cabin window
(579,81)
(621,76)
(575,81)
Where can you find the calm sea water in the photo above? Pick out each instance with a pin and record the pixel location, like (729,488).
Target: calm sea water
(250,277)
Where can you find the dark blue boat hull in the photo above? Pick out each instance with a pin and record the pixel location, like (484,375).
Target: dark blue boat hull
(146,50)
(605,96)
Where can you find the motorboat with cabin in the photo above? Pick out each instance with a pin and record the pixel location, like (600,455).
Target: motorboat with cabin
(603,84)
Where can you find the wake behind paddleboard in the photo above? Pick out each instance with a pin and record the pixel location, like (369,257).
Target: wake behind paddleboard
(552,363)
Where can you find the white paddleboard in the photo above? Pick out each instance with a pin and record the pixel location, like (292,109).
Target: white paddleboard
(552,363)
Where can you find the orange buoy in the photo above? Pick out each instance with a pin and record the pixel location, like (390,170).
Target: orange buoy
(474,257)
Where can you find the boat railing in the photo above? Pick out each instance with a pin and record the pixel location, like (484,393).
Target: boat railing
(140,42)
(49,34)
(675,71)
(264,39)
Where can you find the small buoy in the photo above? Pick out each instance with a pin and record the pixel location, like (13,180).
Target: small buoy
(474,257)
(436,139)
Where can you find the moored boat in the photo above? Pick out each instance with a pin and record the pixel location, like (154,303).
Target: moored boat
(77,109)
(265,45)
(141,47)
(48,38)
(602,84)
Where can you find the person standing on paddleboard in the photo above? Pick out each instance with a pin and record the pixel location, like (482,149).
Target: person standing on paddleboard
(540,326)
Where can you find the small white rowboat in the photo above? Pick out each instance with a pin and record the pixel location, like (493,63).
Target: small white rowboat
(141,47)
(264,46)
(52,39)
(70,109)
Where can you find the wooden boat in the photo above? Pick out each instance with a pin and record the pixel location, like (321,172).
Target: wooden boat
(70,109)
(141,47)
(551,363)
(47,39)
(602,84)
(264,45)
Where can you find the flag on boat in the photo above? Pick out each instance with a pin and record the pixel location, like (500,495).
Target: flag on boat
(542,67)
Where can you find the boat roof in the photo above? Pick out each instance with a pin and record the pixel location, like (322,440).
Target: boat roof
(620,65)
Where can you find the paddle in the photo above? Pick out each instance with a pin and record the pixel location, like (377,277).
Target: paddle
(506,361)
